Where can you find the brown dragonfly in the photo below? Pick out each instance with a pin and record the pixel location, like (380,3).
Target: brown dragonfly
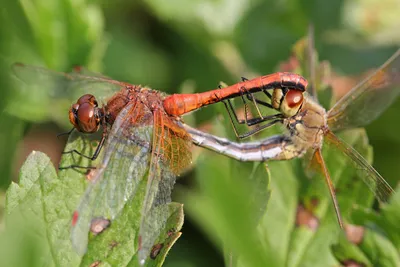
(309,124)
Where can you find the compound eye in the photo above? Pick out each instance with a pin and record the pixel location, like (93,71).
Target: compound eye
(73,115)
(87,120)
(88,98)
(294,98)
(75,108)
(83,115)
(292,102)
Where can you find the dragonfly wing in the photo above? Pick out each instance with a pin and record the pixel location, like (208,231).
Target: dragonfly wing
(370,176)
(45,94)
(124,164)
(85,72)
(312,62)
(65,85)
(368,99)
(170,155)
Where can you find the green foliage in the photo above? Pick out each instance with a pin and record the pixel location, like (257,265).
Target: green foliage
(45,201)
(164,45)
(281,235)
(58,35)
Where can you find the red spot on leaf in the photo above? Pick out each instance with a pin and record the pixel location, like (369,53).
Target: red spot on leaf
(140,242)
(75,216)
(77,69)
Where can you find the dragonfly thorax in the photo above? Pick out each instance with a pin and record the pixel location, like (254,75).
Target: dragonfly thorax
(307,127)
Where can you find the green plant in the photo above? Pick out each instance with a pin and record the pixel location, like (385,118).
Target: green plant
(162,45)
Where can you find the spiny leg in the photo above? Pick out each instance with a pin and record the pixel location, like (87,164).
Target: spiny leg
(321,163)
(259,129)
(275,119)
(250,122)
(92,158)
(252,98)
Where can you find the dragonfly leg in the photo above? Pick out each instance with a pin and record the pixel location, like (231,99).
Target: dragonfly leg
(319,160)
(233,116)
(66,133)
(258,101)
(250,96)
(231,109)
(259,129)
(76,167)
(253,121)
(94,157)
(249,122)
(267,94)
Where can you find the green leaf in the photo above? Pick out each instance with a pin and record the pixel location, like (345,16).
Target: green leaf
(345,250)
(285,241)
(115,246)
(229,206)
(390,217)
(277,224)
(41,197)
(379,249)
(49,201)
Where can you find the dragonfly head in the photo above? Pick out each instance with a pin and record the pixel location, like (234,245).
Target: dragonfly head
(85,115)
(287,101)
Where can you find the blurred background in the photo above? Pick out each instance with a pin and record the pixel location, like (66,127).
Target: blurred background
(189,46)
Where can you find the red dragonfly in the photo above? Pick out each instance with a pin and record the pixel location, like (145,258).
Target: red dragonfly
(141,141)
(309,125)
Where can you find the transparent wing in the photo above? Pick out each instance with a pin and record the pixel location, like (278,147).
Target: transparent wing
(370,176)
(369,99)
(59,85)
(170,145)
(312,62)
(142,144)
(125,163)
(39,94)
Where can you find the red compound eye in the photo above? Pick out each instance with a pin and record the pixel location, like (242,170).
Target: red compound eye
(84,114)
(294,98)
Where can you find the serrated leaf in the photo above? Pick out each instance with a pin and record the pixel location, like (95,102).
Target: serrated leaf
(41,197)
(117,245)
(50,200)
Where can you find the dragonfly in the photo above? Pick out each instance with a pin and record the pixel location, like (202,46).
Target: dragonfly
(139,138)
(140,141)
(310,125)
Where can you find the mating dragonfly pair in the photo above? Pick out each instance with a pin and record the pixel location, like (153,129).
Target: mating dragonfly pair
(144,135)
